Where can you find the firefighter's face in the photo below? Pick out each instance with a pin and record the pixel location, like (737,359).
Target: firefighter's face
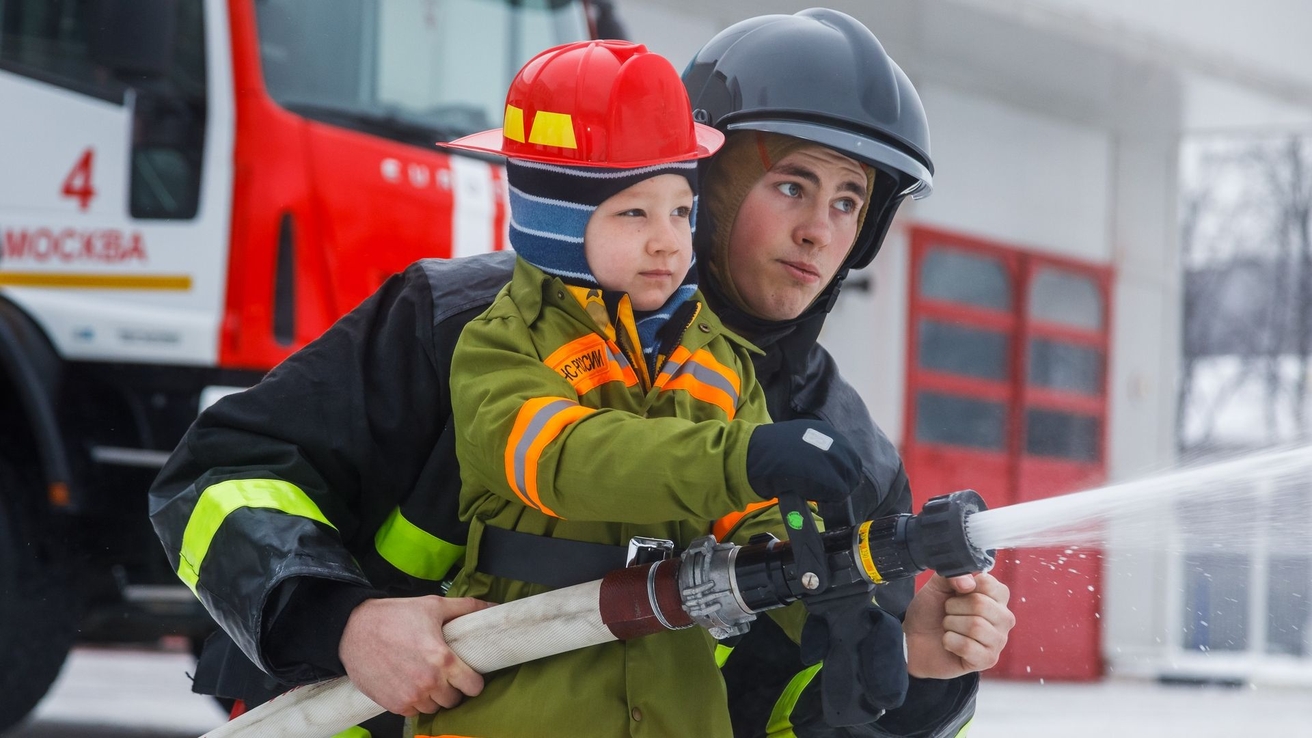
(794,229)
(640,240)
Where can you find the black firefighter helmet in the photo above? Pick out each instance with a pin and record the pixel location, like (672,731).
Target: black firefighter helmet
(822,76)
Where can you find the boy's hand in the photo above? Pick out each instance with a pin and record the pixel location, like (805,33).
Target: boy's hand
(803,456)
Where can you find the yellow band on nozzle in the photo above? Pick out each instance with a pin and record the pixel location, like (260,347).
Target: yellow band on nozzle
(863,546)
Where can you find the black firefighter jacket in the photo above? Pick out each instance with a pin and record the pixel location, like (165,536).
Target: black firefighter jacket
(334,479)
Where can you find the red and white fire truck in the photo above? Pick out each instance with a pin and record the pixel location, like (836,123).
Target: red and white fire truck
(190,190)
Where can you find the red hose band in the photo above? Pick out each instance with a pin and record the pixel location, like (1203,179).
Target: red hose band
(626,603)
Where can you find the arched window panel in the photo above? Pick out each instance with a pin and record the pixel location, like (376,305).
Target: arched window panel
(971,279)
(1064,298)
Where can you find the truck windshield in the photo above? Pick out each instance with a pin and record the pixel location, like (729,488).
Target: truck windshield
(411,70)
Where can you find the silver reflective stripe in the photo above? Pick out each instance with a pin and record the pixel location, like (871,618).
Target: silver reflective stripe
(713,378)
(671,367)
(540,419)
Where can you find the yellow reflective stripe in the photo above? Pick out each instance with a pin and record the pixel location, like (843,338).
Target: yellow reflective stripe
(553,129)
(414,550)
(513,128)
(219,500)
(722,654)
(964,729)
(355,732)
(781,724)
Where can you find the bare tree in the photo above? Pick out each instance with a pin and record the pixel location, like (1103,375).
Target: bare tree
(1246,243)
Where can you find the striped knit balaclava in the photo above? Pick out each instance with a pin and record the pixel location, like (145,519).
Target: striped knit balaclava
(744,160)
(550,206)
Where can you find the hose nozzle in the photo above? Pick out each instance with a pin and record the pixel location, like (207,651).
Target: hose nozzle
(936,538)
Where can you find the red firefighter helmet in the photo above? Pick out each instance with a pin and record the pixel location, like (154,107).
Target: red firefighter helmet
(597,104)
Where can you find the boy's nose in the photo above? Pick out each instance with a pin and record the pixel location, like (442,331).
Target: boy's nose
(667,238)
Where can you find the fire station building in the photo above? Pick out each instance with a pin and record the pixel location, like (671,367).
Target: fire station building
(1019,333)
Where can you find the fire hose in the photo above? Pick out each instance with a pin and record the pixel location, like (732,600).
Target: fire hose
(718,586)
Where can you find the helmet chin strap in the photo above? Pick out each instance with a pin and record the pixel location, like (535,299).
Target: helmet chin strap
(752,325)
(835,286)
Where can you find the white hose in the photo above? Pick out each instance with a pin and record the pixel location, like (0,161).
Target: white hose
(514,633)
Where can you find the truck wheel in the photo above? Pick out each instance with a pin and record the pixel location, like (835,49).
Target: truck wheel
(38,612)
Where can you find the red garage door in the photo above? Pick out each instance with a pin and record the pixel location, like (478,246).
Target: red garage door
(1006,394)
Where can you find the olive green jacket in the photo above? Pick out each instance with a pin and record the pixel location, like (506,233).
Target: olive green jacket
(560,433)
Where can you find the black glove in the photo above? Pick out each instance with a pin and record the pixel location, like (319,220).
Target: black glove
(803,456)
(880,656)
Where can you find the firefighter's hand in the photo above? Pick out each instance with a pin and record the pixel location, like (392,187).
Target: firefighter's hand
(808,457)
(956,626)
(394,653)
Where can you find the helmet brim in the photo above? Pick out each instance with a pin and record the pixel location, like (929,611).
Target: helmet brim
(709,141)
(918,178)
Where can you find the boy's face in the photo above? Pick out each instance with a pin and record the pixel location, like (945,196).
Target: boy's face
(794,230)
(640,240)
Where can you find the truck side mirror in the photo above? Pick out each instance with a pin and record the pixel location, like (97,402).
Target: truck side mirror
(134,37)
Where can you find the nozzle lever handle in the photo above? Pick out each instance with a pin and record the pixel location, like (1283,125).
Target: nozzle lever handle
(808,548)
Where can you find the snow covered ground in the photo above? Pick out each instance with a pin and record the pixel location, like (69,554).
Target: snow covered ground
(110,693)
(1139,709)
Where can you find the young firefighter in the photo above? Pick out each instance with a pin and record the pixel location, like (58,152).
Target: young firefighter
(598,399)
(318,532)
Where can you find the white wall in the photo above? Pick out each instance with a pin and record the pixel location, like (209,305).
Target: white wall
(1001,173)
(867,330)
(1270,36)
(675,35)
(1017,176)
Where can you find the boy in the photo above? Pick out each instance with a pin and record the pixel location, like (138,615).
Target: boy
(598,399)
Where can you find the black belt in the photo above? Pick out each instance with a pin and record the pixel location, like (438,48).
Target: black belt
(553,562)
(557,562)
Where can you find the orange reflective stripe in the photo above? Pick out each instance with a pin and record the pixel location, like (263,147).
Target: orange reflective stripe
(589,362)
(577,347)
(726,523)
(538,423)
(708,360)
(703,392)
(672,364)
(628,375)
(701,375)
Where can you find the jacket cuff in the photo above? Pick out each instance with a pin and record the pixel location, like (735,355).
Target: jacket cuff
(934,708)
(302,639)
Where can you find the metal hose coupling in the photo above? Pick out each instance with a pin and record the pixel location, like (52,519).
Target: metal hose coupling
(708,590)
(904,545)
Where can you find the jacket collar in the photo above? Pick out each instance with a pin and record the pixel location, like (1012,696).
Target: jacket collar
(539,289)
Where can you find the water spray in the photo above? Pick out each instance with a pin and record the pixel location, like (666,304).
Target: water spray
(1143,508)
(719,586)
